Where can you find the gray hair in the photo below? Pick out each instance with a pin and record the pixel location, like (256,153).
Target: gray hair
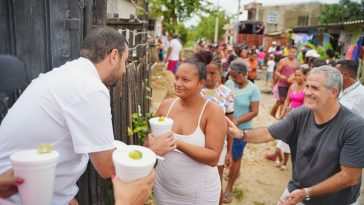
(333,77)
(238,66)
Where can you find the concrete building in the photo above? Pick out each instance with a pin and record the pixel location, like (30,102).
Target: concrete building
(277,18)
(122,9)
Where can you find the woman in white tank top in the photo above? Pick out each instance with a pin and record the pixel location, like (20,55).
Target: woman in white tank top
(188,174)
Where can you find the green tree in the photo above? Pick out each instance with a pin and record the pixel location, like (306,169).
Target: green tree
(176,11)
(182,31)
(345,10)
(206,27)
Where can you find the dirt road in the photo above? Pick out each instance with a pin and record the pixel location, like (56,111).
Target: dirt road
(260,181)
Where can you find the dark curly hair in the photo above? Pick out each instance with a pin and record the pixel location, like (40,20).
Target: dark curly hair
(208,57)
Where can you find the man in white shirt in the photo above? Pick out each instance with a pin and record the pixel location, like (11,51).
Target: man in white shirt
(173,54)
(69,108)
(352,95)
(272,49)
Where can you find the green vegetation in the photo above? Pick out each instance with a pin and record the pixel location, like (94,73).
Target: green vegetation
(238,194)
(345,10)
(258,203)
(206,27)
(175,12)
(140,126)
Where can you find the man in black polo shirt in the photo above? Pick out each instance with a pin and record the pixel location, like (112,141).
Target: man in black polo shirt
(326,141)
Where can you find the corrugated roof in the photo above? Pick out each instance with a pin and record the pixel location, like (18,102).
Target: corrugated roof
(331,24)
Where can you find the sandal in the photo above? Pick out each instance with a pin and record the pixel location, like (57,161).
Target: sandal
(283,168)
(228,197)
(278,163)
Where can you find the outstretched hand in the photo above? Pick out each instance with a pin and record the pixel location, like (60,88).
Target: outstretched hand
(233,130)
(293,198)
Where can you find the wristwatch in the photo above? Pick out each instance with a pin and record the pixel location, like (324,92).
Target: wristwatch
(307,194)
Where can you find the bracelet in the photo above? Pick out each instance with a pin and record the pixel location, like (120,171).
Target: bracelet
(307,194)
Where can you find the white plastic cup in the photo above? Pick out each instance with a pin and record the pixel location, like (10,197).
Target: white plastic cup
(159,128)
(128,169)
(38,172)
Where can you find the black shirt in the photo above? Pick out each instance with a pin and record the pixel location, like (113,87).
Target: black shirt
(319,150)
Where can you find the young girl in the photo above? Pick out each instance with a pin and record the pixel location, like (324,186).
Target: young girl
(270,69)
(293,100)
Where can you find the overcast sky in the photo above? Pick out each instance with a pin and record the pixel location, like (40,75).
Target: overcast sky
(231,6)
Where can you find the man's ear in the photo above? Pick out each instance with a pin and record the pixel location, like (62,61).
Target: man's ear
(113,56)
(335,92)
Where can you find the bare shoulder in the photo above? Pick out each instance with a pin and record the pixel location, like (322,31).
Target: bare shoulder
(283,60)
(164,106)
(213,109)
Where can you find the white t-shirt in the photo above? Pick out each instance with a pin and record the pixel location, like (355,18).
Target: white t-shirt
(69,108)
(272,49)
(353,98)
(271,65)
(176,49)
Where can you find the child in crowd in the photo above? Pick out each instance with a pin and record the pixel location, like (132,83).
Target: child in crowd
(261,57)
(270,69)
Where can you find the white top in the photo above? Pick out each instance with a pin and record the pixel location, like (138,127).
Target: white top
(176,49)
(69,108)
(353,98)
(181,180)
(271,65)
(272,49)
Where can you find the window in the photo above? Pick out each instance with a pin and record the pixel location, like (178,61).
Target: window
(302,21)
(272,18)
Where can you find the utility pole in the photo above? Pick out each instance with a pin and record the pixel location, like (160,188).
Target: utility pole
(238,14)
(310,14)
(237,24)
(217,24)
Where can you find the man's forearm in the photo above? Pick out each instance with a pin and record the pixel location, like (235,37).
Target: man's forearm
(168,54)
(333,184)
(257,135)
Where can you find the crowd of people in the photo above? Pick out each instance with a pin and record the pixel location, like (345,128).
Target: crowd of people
(320,123)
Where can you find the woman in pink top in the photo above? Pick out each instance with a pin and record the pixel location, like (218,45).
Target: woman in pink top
(295,95)
(294,99)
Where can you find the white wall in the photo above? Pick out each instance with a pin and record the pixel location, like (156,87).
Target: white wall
(121,7)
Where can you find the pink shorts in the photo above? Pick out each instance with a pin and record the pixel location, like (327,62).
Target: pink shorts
(172,66)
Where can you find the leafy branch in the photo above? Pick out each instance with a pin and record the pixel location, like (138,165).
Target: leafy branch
(140,125)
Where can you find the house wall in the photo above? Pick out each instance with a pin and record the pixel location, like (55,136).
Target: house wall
(120,9)
(288,15)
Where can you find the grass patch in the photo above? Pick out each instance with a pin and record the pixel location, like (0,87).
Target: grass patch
(238,193)
(258,203)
